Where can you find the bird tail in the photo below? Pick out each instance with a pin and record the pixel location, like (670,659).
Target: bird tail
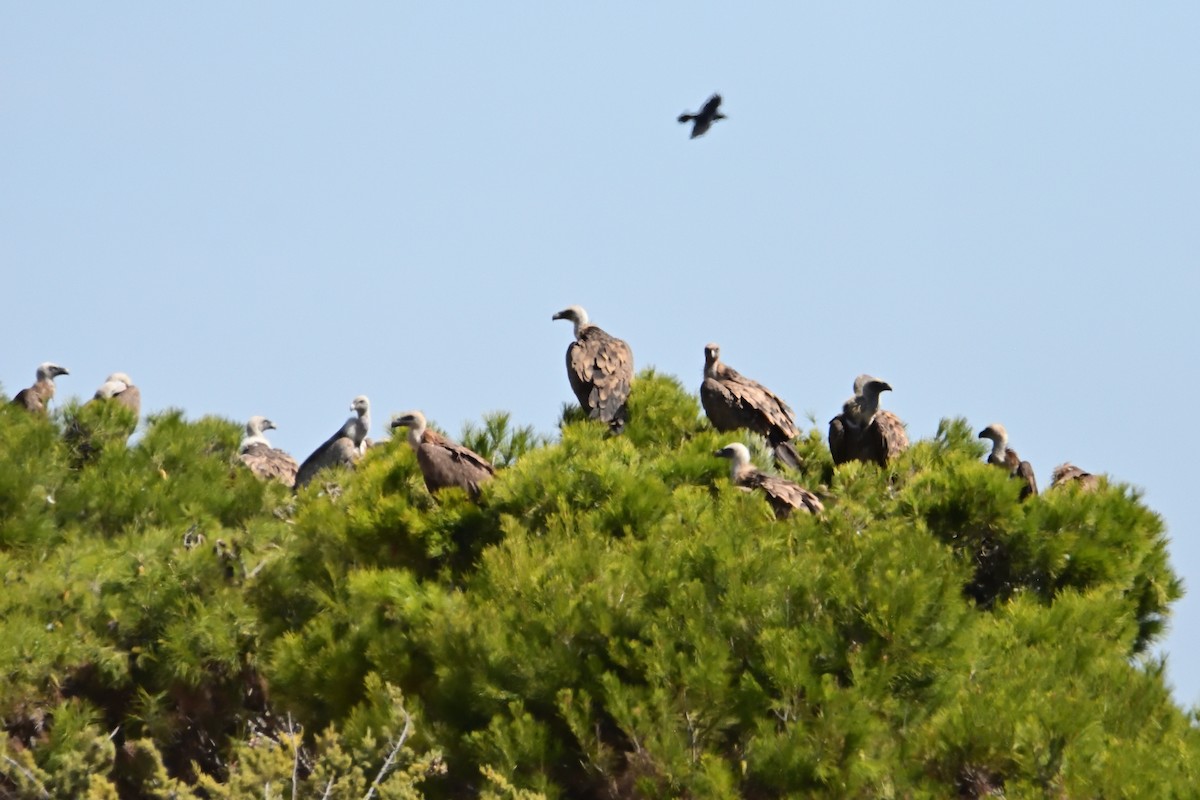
(686,117)
(786,455)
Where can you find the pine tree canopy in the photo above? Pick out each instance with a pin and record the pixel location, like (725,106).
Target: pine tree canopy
(611,618)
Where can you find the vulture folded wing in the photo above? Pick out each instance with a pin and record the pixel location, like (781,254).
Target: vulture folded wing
(1069,473)
(600,368)
(885,438)
(785,496)
(843,439)
(444,464)
(270,463)
(30,400)
(739,402)
(131,398)
(1024,471)
(338,450)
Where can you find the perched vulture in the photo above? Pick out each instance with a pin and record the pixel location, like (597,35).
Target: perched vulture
(1069,473)
(600,368)
(343,448)
(262,459)
(863,431)
(785,496)
(703,120)
(37,397)
(733,401)
(442,462)
(1004,456)
(119,386)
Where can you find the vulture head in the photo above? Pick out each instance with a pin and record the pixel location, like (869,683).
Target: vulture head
(258,424)
(361,405)
(996,433)
(113,385)
(869,386)
(414,421)
(712,354)
(575,314)
(738,454)
(49,371)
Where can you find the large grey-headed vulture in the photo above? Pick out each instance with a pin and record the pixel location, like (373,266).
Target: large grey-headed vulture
(37,397)
(600,369)
(785,496)
(733,401)
(864,431)
(703,120)
(119,387)
(262,459)
(1069,473)
(1005,457)
(443,463)
(341,449)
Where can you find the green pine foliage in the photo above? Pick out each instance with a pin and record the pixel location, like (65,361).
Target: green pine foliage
(610,618)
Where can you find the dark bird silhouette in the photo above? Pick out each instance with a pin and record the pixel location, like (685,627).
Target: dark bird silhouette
(343,448)
(864,431)
(37,397)
(443,463)
(703,120)
(732,401)
(1069,473)
(600,369)
(784,496)
(1005,457)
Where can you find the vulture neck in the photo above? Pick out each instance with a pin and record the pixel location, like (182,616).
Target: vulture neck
(253,439)
(44,388)
(1000,444)
(415,433)
(740,467)
(714,368)
(581,324)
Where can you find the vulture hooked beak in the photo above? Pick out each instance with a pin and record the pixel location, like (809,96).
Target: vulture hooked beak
(401,422)
(724,452)
(268,425)
(559,315)
(985,433)
(60,371)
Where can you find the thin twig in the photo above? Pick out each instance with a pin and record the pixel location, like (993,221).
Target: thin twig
(387,764)
(291,729)
(328,788)
(29,776)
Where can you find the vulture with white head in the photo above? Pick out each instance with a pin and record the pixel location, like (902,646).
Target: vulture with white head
(1069,473)
(703,120)
(37,397)
(1005,457)
(864,431)
(119,387)
(733,401)
(443,463)
(600,369)
(343,448)
(262,459)
(784,496)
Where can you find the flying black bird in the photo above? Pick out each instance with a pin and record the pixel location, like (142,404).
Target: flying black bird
(702,121)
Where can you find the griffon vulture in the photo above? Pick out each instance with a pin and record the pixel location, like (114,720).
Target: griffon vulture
(600,368)
(442,462)
(864,431)
(1004,456)
(119,386)
(37,397)
(1069,473)
(343,448)
(785,496)
(703,120)
(262,459)
(733,401)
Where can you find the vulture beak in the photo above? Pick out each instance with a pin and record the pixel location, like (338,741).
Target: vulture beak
(559,315)
(269,426)
(61,371)
(722,453)
(399,422)
(983,434)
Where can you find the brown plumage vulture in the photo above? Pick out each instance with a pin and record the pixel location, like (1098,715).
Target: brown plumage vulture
(1005,457)
(733,401)
(37,397)
(341,449)
(119,387)
(703,120)
(262,459)
(864,431)
(443,463)
(784,496)
(600,369)
(1069,473)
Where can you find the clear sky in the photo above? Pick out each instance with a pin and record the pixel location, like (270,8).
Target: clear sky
(270,208)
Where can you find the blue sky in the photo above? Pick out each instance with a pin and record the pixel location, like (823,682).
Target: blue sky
(270,209)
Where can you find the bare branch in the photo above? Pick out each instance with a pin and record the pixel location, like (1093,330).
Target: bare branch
(388,762)
(29,776)
(291,729)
